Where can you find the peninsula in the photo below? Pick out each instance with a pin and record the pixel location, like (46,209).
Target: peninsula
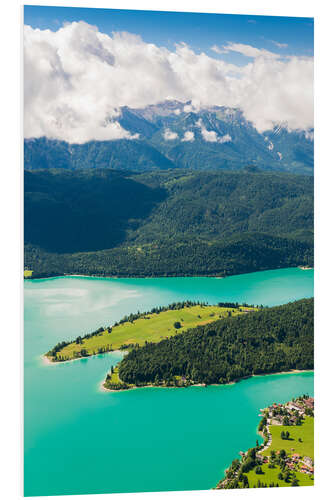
(189,343)
(137,330)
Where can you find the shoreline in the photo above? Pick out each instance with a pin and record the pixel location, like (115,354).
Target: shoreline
(46,360)
(303,268)
(148,386)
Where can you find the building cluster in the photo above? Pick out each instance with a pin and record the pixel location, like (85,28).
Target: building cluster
(289,413)
(301,405)
(292,413)
(296,462)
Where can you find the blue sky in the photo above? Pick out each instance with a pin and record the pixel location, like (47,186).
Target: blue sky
(200,31)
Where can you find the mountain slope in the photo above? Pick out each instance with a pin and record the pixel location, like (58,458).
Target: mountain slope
(121,154)
(167,136)
(220,204)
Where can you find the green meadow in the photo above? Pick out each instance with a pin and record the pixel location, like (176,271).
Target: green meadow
(293,445)
(271,476)
(151,327)
(115,376)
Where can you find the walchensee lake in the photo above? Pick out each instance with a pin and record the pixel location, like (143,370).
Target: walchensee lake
(78,439)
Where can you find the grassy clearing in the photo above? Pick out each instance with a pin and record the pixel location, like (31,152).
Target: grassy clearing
(149,328)
(304,431)
(115,377)
(271,476)
(27,273)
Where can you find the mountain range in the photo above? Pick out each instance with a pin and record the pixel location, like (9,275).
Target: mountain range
(174,135)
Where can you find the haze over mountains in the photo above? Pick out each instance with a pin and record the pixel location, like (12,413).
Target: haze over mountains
(177,135)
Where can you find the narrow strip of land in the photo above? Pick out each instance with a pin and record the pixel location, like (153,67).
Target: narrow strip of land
(136,330)
(190,343)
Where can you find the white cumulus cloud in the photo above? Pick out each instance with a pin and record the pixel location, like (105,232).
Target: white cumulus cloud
(193,107)
(225,138)
(218,50)
(280,45)
(169,135)
(77,78)
(249,51)
(188,136)
(211,135)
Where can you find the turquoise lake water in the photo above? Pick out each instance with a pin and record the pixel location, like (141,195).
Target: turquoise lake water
(79,440)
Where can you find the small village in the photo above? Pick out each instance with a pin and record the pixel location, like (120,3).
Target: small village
(289,413)
(292,413)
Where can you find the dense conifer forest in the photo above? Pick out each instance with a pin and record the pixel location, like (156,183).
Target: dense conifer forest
(166,223)
(270,340)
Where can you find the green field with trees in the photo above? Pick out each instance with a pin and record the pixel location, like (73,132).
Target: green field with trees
(293,443)
(300,441)
(138,329)
(286,458)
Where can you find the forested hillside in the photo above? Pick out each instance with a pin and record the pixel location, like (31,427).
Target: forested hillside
(270,340)
(241,254)
(170,223)
(119,154)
